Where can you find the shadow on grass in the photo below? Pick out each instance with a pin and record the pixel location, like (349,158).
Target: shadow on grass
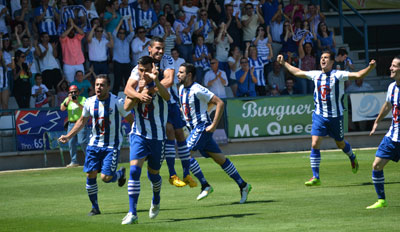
(212,217)
(358,185)
(139,211)
(247,202)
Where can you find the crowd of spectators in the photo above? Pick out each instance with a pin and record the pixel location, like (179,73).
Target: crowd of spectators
(231,43)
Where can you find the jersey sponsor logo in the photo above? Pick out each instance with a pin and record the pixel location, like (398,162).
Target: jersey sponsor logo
(324,91)
(396,113)
(186,110)
(147,108)
(101,124)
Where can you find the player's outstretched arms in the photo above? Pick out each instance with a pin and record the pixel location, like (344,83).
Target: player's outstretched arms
(387,106)
(363,72)
(293,70)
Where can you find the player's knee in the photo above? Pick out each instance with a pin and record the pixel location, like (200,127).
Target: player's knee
(376,166)
(135,172)
(106,178)
(340,144)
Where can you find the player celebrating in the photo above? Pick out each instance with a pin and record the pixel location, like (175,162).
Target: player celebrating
(147,137)
(195,99)
(389,147)
(102,152)
(328,114)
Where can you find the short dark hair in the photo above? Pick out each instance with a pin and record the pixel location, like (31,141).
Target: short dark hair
(155,39)
(76,73)
(38,75)
(331,54)
(25,37)
(144,60)
(342,51)
(43,33)
(104,76)
(190,69)
(174,49)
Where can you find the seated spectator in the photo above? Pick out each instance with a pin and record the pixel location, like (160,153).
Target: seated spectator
(294,10)
(62,90)
(215,80)
(22,74)
(276,77)
(326,38)
(307,63)
(246,79)
(234,65)
(84,86)
(258,63)
(47,53)
(98,47)
(289,87)
(359,86)
(4,88)
(273,91)
(72,54)
(201,58)
(41,94)
(139,45)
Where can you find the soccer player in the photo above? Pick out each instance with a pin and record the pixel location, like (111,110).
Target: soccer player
(195,100)
(327,118)
(165,65)
(147,136)
(389,149)
(102,152)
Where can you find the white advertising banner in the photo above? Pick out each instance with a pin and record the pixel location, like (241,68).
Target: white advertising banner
(366,106)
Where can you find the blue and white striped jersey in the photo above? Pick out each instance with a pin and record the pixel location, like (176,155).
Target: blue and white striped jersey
(328,92)
(204,63)
(194,101)
(128,12)
(185,37)
(48,23)
(145,18)
(106,121)
(150,119)
(259,69)
(393,97)
(167,62)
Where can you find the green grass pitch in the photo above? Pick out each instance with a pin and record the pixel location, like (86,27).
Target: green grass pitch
(56,199)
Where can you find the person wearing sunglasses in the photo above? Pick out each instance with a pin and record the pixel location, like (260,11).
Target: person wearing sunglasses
(74,106)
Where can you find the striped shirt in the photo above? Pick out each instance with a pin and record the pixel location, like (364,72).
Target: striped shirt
(145,18)
(3,78)
(194,100)
(106,122)
(328,92)
(258,65)
(262,48)
(48,22)
(126,13)
(204,63)
(392,96)
(150,119)
(185,37)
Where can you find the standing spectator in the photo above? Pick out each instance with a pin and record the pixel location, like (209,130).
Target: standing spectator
(177,61)
(184,31)
(246,79)
(127,11)
(7,51)
(98,46)
(213,9)
(269,9)
(250,22)
(74,106)
(314,16)
(234,65)
(111,16)
(304,31)
(263,43)
(201,58)
(206,28)
(41,93)
(66,13)
(223,42)
(289,46)
(215,80)
(289,87)
(307,63)
(233,26)
(140,45)
(4,15)
(359,86)
(84,86)
(62,90)
(22,74)
(326,38)
(258,63)
(146,16)
(4,86)
(190,11)
(72,55)
(169,13)
(276,29)
(46,17)
(236,5)
(49,67)
(171,38)
(29,52)
(159,28)
(276,77)
(25,14)
(89,13)
(294,10)
(122,62)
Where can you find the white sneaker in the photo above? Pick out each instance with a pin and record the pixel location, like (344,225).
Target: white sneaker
(244,192)
(130,219)
(205,192)
(154,210)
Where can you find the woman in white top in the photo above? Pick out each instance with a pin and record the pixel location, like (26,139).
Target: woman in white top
(263,43)
(222,44)
(234,66)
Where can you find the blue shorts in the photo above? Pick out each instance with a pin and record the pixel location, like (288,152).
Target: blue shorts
(322,126)
(101,159)
(175,116)
(388,149)
(151,148)
(202,141)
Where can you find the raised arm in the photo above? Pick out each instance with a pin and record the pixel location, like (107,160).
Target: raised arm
(363,72)
(293,70)
(387,106)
